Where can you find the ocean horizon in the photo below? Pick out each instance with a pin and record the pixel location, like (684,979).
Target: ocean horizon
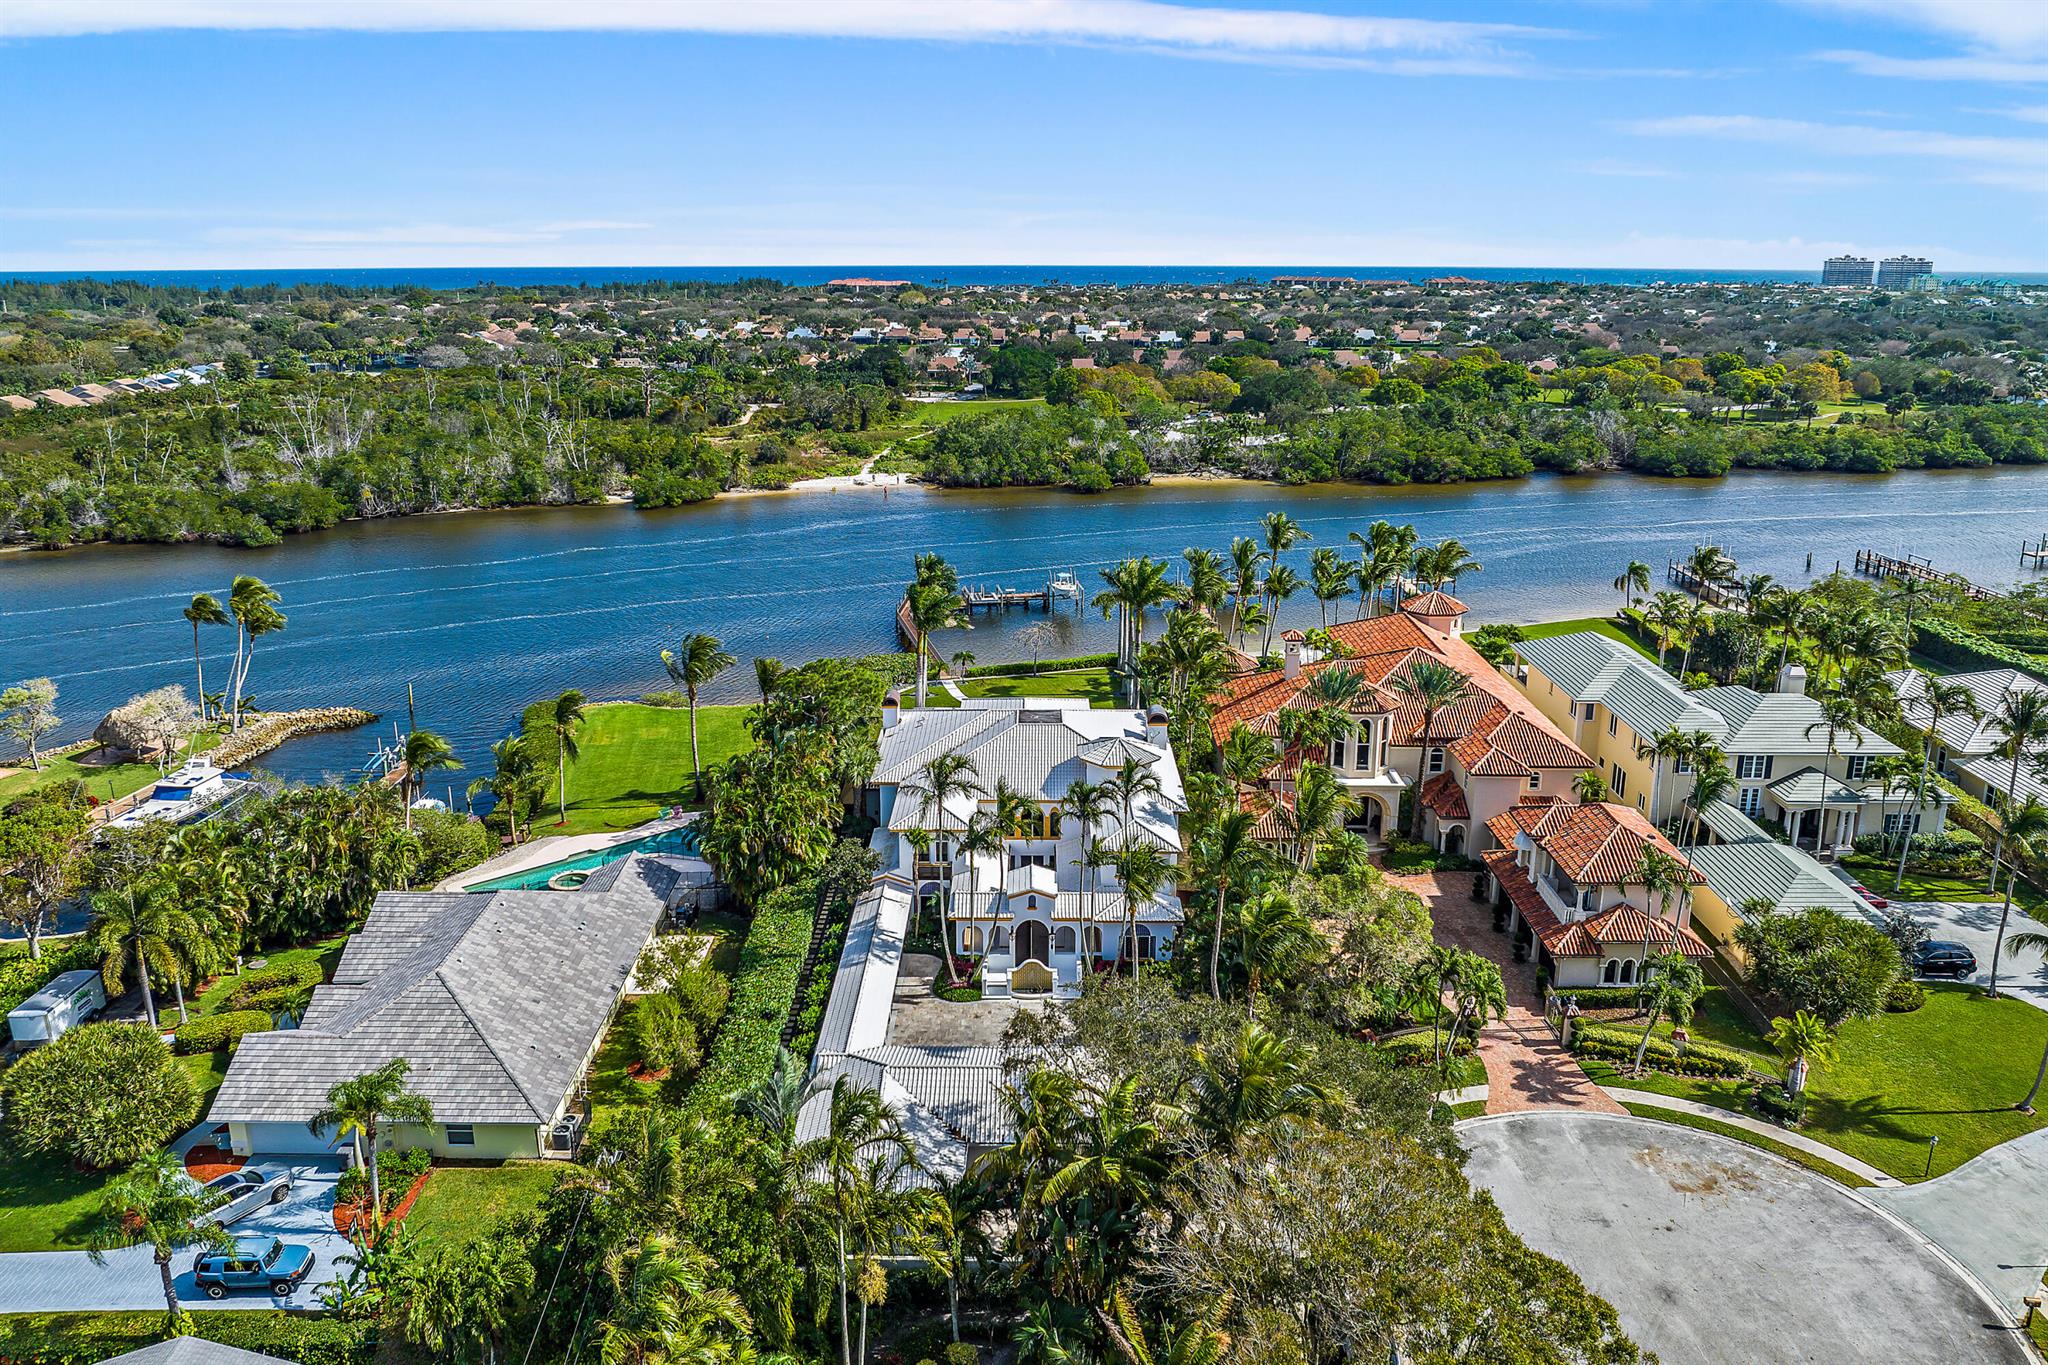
(466,277)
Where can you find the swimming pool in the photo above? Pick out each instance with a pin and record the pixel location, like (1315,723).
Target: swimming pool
(681,840)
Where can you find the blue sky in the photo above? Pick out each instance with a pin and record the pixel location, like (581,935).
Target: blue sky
(328,133)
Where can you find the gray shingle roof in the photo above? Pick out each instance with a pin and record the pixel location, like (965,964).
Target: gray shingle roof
(1779,723)
(494,998)
(192,1351)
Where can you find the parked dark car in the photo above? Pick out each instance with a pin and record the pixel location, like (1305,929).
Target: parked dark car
(1939,957)
(255,1263)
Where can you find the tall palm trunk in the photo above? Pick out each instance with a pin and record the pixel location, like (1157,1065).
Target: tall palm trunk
(1906,826)
(199,667)
(1998,944)
(376,1192)
(1216,944)
(696,767)
(845,1340)
(142,973)
(2012,781)
(162,1256)
(2026,1106)
(178,989)
(562,777)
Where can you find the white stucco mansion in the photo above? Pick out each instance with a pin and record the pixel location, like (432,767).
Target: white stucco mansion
(1035,914)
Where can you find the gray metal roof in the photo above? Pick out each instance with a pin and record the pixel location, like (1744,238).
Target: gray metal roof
(1774,872)
(1783,723)
(192,1351)
(1731,826)
(1592,667)
(1963,735)
(495,999)
(1812,787)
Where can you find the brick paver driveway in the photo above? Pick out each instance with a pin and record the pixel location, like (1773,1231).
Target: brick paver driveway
(1525,1067)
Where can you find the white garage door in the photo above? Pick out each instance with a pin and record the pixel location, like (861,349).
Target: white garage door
(282,1139)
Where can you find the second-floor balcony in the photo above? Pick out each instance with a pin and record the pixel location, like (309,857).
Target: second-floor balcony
(1561,893)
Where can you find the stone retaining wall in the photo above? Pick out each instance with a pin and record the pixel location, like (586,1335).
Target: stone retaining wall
(260,736)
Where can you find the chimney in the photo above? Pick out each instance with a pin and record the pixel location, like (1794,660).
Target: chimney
(1155,727)
(1291,664)
(1792,679)
(892,708)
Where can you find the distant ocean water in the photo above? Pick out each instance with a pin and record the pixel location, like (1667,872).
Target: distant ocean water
(462,277)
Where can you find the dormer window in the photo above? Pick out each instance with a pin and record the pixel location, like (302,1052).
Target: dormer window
(1436,760)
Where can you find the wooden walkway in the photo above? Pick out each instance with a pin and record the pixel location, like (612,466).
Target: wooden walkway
(1874,565)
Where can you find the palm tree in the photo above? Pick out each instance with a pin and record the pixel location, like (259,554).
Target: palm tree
(425,752)
(1329,577)
(1674,744)
(156,1204)
(1673,986)
(696,660)
(2020,830)
(1712,780)
(2023,719)
(1804,1041)
(1263,1079)
(1941,700)
(1433,686)
(1385,551)
(1280,584)
(1589,787)
(253,604)
(2038,943)
(1321,805)
(1281,533)
(1792,613)
(1632,580)
(564,719)
(205,610)
(515,780)
(1479,993)
(1245,558)
(944,777)
(931,606)
(1275,939)
(1135,587)
(834,1174)
(1227,855)
(1207,583)
(1141,869)
(1086,803)
(768,674)
(1443,564)
(142,932)
(359,1107)
(1247,756)
(664,1307)
(1666,616)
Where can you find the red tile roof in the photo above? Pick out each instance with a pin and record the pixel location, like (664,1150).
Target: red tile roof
(1597,843)
(1435,602)
(1443,795)
(1622,926)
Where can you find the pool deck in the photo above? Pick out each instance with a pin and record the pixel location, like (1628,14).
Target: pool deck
(556,849)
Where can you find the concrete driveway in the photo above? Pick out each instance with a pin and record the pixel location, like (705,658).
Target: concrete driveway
(1990,1213)
(1716,1253)
(57,1281)
(2022,975)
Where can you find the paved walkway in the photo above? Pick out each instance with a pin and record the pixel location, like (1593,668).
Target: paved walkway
(1832,1155)
(1715,1253)
(1990,1213)
(1525,1066)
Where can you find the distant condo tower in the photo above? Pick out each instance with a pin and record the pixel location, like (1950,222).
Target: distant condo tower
(1899,272)
(1849,270)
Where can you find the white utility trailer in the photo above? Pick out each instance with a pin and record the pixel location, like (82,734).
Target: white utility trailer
(70,999)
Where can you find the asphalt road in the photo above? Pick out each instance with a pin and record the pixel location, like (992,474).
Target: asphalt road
(1716,1253)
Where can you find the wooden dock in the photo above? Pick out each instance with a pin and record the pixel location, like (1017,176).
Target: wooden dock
(2034,553)
(1006,599)
(1874,565)
(1713,594)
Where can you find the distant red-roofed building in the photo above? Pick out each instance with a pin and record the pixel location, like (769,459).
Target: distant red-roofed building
(863,282)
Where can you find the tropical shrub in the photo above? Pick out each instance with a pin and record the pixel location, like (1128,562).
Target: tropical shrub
(662,1037)
(1905,996)
(764,987)
(396,1171)
(1822,962)
(218,1030)
(1773,1101)
(256,989)
(1015,667)
(1699,1059)
(1949,643)
(449,843)
(102,1095)
(81,1338)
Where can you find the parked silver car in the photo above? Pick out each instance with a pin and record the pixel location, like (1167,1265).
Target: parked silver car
(234,1195)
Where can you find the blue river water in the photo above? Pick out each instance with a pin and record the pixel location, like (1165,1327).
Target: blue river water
(483,612)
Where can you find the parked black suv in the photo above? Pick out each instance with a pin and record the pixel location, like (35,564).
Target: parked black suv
(1938,957)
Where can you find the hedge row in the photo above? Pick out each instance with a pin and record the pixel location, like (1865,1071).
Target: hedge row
(80,1338)
(260,988)
(1700,1059)
(218,1030)
(22,977)
(1602,997)
(1948,643)
(763,989)
(1042,666)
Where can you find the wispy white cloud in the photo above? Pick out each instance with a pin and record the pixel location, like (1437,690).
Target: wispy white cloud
(1836,140)
(2010,26)
(1177,30)
(1994,69)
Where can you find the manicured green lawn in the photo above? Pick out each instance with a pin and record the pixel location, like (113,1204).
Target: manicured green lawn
(102,782)
(45,1205)
(612,1089)
(1876,873)
(1603,625)
(1092,683)
(635,763)
(460,1204)
(207,1070)
(1952,1069)
(326,952)
(1729,1130)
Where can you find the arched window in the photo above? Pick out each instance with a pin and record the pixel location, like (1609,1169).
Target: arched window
(1147,946)
(1063,939)
(970,938)
(1608,977)
(1091,937)
(1628,973)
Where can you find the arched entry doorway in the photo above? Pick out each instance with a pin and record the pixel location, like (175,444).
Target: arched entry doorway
(1032,943)
(1454,839)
